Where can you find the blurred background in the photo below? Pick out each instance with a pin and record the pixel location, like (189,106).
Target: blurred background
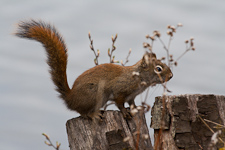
(29,105)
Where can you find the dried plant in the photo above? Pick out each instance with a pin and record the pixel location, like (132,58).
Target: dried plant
(110,52)
(171,30)
(92,48)
(49,142)
(215,137)
(127,58)
(189,46)
(137,136)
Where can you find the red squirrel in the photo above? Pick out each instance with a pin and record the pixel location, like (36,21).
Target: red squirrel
(93,88)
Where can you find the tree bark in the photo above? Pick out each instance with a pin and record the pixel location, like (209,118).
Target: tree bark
(179,121)
(113,133)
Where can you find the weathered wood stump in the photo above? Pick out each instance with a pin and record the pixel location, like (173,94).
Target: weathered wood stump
(178,121)
(113,133)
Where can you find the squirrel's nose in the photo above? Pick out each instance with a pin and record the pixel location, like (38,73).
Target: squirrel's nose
(170,75)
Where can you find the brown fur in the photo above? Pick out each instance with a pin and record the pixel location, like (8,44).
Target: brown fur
(92,89)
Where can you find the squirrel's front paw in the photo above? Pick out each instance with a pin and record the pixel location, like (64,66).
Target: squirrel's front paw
(126,113)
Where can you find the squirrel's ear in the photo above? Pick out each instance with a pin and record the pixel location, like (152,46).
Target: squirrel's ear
(147,59)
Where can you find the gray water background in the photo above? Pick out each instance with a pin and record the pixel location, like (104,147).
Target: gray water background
(28,104)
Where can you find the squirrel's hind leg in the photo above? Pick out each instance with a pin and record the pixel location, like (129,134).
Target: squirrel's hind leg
(125,112)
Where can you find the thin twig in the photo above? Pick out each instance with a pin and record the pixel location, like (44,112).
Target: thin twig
(168,47)
(167,50)
(106,105)
(191,47)
(139,128)
(92,48)
(50,142)
(215,123)
(210,128)
(183,54)
(152,43)
(127,60)
(112,50)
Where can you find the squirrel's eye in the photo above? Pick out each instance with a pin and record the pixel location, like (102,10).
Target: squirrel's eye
(158,69)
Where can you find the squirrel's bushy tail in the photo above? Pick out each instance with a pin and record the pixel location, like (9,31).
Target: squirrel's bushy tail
(55,48)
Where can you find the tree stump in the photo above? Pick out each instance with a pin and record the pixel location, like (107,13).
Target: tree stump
(179,121)
(113,133)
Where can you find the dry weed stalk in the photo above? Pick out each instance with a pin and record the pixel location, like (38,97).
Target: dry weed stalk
(213,140)
(112,58)
(92,48)
(110,52)
(170,62)
(127,58)
(49,143)
(137,137)
(171,30)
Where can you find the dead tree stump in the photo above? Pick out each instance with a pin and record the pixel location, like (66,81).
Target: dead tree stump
(177,121)
(113,133)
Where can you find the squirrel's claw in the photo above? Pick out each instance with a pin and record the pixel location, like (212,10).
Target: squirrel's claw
(126,113)
(95,116)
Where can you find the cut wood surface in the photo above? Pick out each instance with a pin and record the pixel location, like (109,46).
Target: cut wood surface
(113,133)
(178,121)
